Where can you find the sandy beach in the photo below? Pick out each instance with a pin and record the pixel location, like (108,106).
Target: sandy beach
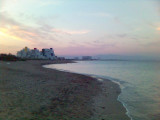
(30,92)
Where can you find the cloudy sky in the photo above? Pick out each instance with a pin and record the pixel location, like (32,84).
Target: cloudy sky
(81,27)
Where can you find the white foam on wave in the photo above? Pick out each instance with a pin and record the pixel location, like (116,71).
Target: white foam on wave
(125,106)
(118,99)
(99,79)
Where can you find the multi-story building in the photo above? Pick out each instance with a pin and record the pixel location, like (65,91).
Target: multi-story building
(86,57)
(24,53)
(36,54)
(48,53)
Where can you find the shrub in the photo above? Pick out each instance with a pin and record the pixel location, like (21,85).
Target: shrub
(9,57)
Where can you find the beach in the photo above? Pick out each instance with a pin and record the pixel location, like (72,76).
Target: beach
(30,92)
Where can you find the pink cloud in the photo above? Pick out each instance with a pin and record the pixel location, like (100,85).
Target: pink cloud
(37,37)
(71,32)
(158,28)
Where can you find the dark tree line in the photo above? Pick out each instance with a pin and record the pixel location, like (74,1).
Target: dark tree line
(9,57)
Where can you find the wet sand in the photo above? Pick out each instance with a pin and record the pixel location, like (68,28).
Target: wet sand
(30,92)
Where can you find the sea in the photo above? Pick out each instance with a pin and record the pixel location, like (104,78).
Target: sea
(139,82)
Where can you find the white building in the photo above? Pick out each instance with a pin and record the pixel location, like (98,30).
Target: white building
(24,53)
(36,54)
(48,53)
(86,57)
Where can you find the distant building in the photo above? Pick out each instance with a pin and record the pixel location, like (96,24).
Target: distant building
(24,53)
(76,58)
(86,58)
(36,54)
(48,53)
(61,58)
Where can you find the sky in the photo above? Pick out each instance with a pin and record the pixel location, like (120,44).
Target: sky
(81,27)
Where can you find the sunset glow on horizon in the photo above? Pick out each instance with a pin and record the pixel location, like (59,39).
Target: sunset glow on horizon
(86,27)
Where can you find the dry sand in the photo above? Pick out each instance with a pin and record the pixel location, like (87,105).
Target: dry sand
(30,92)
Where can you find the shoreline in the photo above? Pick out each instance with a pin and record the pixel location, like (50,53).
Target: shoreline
(127,111)
(75,96)
(100,79)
